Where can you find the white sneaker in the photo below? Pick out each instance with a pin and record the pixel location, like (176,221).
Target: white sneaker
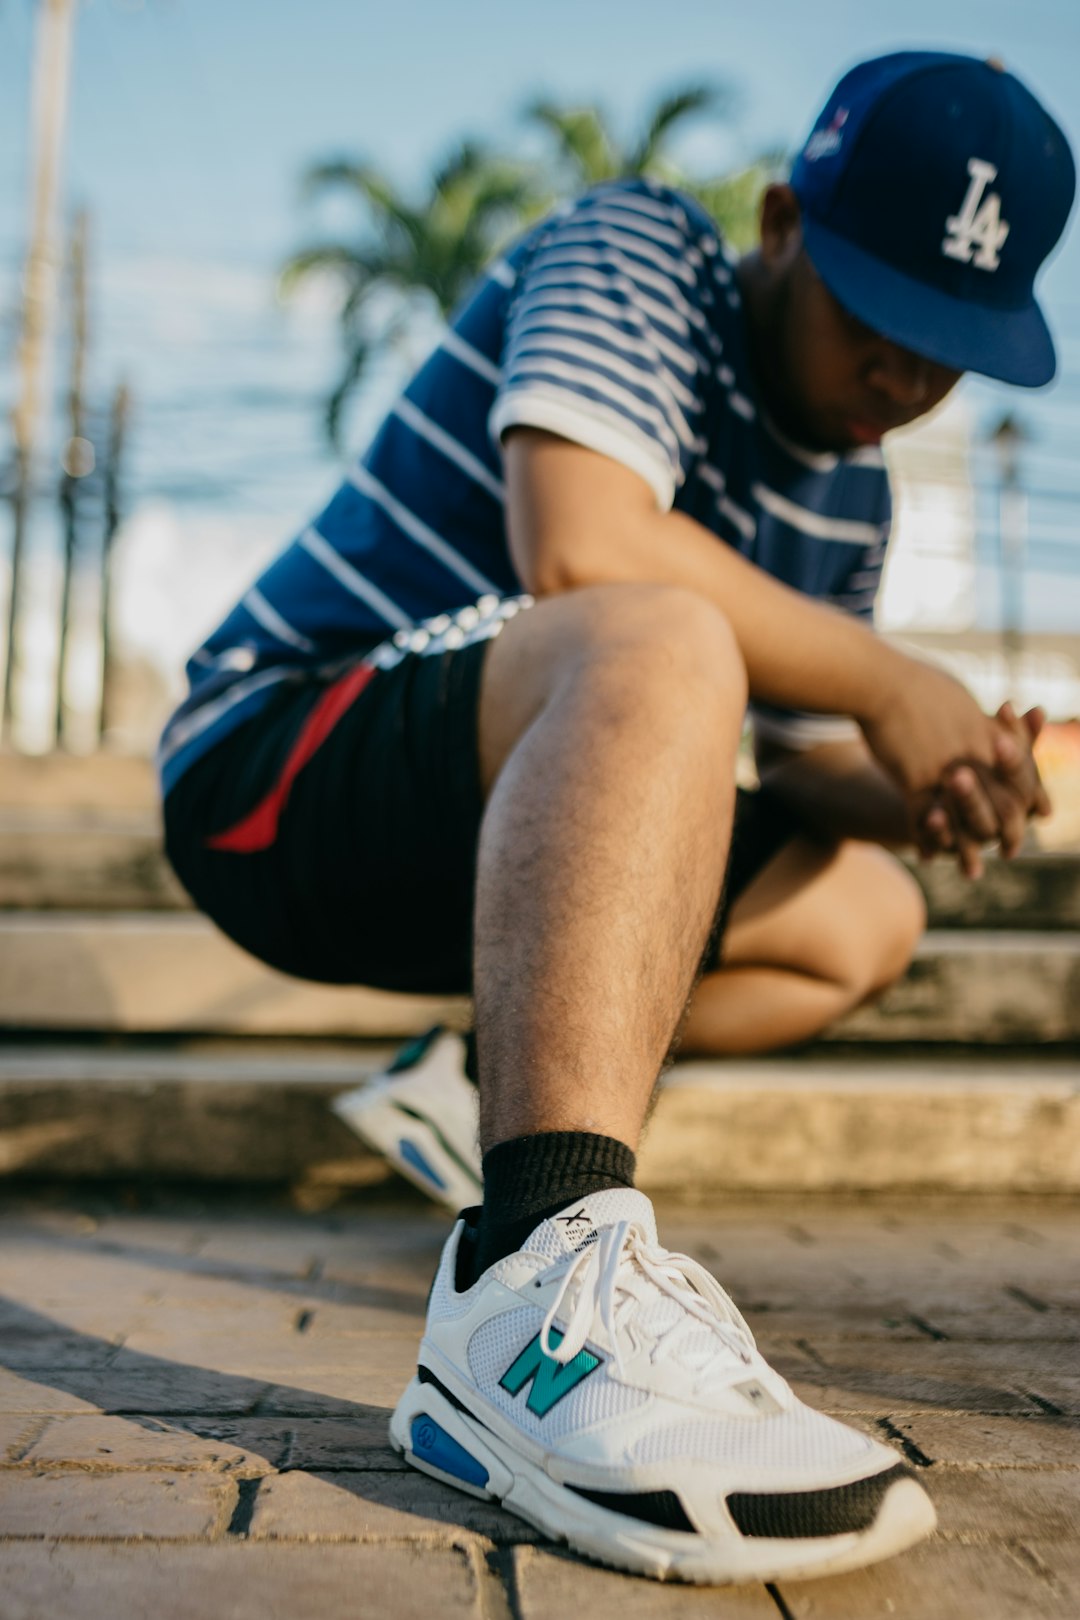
(609,1392)
(423,1115)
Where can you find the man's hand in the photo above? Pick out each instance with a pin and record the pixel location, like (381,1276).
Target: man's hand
(976,806)
(985,792)
(921,723)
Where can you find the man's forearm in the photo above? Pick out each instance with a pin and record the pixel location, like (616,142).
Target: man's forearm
(840,791)
(799,652)
(577,519)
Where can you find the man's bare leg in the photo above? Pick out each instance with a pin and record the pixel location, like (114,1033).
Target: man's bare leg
(609,722)
(820,929)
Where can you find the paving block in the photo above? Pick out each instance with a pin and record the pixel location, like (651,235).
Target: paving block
(938,1580)
(993,1442)
(22,1396)
(1005,1361)
(344,1442)
(1059,1563)
(114,1443)
(549,1585)
(241,1580)
(332,1392)
(865,1390)
(1005,1502)
(1010,1322)
(375,1506)
(123,1388)
(151,1506)
(16,1431)
(889,1378)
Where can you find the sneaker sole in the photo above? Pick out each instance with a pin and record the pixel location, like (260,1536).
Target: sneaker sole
(414,1146)
(436,1436)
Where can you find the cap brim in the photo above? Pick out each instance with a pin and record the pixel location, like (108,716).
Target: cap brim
(1012,345)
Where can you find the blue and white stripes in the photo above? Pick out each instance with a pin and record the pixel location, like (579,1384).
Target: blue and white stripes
(617,324)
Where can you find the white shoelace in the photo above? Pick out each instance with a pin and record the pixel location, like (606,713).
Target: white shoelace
(608,1274)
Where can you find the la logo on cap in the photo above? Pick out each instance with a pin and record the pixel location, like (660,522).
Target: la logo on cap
(979,223)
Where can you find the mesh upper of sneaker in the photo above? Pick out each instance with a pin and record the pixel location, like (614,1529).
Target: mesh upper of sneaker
(659,1340)
(596,1399)
(800,1441)
(618,1287)
(659,1397)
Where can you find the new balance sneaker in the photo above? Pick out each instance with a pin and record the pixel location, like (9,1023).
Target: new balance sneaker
(609,1393)
(422,1114)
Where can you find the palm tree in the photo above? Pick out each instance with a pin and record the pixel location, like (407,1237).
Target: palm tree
(427,253)
(587,153)
(734,199)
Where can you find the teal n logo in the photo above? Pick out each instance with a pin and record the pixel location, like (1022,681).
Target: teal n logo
(551,1379)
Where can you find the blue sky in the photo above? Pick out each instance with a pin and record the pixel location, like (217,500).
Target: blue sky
(192,119)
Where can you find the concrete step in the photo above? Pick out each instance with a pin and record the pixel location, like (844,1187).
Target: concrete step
(139,973)
(100,782)
(112,860)
(96,860)
(259,1111)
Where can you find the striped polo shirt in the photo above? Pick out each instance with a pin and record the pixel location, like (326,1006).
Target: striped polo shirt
(615,323)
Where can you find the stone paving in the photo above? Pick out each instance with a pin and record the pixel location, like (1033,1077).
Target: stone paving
(194,1395)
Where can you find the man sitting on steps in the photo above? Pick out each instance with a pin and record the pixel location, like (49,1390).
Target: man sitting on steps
(476,730)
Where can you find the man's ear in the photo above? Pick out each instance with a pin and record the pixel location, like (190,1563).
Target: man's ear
(781,227)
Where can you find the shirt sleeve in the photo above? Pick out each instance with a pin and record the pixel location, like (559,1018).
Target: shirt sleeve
(856,593)
(607,342)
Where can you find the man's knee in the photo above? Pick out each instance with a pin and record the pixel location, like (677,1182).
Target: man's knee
(901,912)
(850,915)
(890,918)
(642,654)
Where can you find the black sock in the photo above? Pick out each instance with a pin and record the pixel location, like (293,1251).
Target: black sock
(532,1177)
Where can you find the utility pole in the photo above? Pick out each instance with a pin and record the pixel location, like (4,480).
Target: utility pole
(1008,440)
(52,66)
(118,425)
(77,460)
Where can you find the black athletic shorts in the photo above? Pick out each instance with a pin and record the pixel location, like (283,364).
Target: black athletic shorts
(334,835)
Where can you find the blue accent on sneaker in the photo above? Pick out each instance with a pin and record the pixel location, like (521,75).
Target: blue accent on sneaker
(412,1155)
(434,1445)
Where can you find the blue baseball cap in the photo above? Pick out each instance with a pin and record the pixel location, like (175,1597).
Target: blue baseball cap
(932,187)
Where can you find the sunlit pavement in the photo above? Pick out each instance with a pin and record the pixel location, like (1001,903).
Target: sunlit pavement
(195,1391)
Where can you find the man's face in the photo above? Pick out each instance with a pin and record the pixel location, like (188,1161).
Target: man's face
(842,384)
(831,381)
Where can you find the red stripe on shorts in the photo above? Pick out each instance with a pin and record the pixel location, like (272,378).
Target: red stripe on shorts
(259,828)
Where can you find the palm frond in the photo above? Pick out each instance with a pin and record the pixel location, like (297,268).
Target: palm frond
(389,213)
(464,163)
(672,110)
(734,200)
(582,139)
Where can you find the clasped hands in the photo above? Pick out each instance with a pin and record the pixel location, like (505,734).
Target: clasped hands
(976,803)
